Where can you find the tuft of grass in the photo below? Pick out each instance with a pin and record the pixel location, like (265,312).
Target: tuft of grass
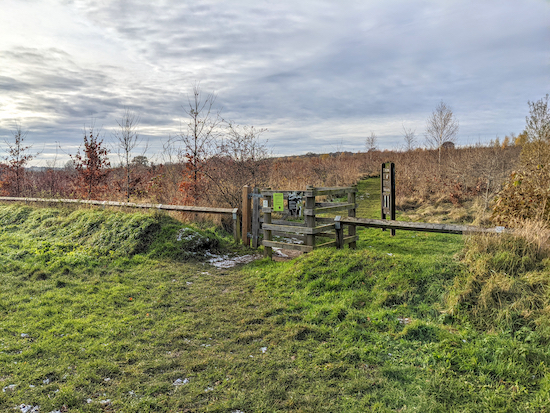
(505,282)
(68,234)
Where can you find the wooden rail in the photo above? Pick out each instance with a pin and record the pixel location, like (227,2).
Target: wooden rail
(309,229)
(181,208)
(418,226)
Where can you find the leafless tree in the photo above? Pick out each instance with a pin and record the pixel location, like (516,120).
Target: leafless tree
(241,159)
(441,127)
(127,139)
(409,135)
(198,137)
(371,142)
(538,122)
(17,158)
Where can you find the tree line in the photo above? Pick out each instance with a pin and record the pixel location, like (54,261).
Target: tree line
(209,160)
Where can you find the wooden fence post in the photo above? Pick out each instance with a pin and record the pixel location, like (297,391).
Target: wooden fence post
(236,226)
(268,251)
(310,209)
(255,217)
(247,216)
(387,192)
(382,204)
(351,213)
(339,232)
(392,197)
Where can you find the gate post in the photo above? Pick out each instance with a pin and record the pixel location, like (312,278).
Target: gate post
(268,251)
(247,216)
(387,192)
(255,217)
(351,213)
(236,226)
(339,229)
(310,209)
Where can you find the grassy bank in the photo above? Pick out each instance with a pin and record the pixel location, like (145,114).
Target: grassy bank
(85,328)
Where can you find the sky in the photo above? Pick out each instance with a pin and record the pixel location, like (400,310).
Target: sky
(320,76)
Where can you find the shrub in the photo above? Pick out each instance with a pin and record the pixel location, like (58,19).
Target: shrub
(526,193)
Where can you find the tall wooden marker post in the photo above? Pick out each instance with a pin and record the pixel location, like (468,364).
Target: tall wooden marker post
(387,193)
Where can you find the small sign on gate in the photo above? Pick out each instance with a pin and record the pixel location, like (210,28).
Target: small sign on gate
(278,202)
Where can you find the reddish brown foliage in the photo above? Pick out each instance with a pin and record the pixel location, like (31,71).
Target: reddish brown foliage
(91,167)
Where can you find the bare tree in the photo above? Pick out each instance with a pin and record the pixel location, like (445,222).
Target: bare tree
(241,159)
(127,139)
(198,138)
(16,159)
(538,122)
(409,135)
(371,144)
(441,127)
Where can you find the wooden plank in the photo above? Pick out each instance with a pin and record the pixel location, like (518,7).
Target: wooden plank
(298,230)
(349,240)
(322,220)
(338,207)
(326,235)
(183,208)
(292,223)
(334,190)
(287,235)
(236,227)
(284,245)
(330,204)
(270,192)
(418,226)
(326,244)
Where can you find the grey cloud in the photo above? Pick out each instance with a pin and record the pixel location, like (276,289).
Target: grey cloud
(10,84)
(300,63)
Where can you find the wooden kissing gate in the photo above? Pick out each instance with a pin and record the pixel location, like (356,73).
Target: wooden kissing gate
(312,228)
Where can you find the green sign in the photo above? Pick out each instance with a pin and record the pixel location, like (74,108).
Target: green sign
(278,202)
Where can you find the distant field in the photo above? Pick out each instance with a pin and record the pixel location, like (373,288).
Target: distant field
(104,311)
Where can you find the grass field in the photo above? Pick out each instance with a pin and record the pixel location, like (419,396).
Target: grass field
(107,311)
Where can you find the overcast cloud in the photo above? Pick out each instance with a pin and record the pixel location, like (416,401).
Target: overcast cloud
(319,75)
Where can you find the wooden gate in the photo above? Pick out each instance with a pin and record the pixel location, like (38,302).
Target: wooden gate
(313,229)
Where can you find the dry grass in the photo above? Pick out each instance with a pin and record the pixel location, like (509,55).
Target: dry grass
(506,279)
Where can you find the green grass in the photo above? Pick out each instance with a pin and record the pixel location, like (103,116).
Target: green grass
(368,198)
(331,331)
